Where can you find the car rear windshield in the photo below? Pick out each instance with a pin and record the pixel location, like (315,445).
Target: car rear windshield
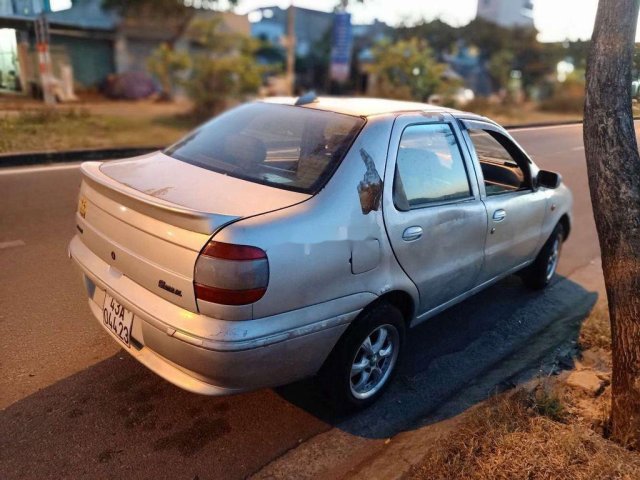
(283,146)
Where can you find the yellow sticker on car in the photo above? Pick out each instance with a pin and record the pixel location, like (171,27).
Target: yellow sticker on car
(82,207)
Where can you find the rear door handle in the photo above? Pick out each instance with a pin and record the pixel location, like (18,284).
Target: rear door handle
(411,234)
(499,215)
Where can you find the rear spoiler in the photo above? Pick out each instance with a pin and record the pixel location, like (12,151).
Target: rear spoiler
(186,218)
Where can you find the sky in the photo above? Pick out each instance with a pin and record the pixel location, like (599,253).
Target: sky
(557,20)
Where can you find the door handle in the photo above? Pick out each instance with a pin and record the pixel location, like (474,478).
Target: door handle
(499,215)
(412,233)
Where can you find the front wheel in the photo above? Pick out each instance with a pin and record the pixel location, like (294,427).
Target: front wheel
(364,360)
(540,273)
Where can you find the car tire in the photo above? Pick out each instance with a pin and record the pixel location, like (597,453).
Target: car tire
(373,367)
(540,273)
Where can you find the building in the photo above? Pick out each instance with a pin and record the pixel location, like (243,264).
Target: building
(135,38)
(93,41)
(80,38)
(507,13)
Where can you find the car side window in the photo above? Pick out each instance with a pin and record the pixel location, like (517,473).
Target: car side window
(429,167)
(503,171)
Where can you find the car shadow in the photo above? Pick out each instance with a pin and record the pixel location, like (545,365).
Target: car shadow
(116,419)
(500,338)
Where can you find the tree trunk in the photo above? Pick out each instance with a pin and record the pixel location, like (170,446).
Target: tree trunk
(613,166)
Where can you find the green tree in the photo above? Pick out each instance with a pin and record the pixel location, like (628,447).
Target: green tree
(174,14)
(530,56)
(441,36)
(488,37)
(500,66)
(224,68)
(166,64)
(500,49)
(407,69)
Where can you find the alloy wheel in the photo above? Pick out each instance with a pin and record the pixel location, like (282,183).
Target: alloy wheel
(552,264)
(374,361)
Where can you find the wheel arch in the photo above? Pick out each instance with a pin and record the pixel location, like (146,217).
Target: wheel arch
(566,225)
(400,300)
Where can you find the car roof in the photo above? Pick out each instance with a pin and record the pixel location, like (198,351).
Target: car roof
(361,106)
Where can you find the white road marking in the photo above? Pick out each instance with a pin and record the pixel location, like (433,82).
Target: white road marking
(12,244)
(576,149)
(36,169)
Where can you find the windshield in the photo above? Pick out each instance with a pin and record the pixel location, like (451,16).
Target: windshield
(283,146)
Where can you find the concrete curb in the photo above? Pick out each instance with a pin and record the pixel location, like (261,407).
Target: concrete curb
(517,126)
(40,158)
(548,124)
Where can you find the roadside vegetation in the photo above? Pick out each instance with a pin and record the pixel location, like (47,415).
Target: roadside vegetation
(29,127)
(554,427)
(526,435)
(408,70)
(224,73)
(105,125)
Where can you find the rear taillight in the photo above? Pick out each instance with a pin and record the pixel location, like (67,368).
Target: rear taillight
(231,274)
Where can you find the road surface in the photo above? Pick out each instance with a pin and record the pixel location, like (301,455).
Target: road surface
(72,404)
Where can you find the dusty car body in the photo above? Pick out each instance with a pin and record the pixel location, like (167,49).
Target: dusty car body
(283,256)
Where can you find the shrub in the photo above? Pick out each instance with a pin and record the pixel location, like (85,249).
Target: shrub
(407,70)
(166,64)
(224,71)
(568,97)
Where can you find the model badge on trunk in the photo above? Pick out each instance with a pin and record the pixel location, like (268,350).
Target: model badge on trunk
(163,285)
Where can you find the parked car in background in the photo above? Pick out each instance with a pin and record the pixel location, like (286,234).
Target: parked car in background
(285,239)
(635,89)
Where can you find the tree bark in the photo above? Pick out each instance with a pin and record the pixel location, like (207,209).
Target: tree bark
(613,165)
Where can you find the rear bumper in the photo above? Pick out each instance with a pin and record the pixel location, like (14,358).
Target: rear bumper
(216,357)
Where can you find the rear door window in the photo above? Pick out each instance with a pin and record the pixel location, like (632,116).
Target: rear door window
(429,167)
(294,148)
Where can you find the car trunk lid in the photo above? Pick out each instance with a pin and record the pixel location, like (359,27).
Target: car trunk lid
(149,217)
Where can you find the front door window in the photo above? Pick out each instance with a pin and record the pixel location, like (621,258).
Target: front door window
(503,171)
(429,167)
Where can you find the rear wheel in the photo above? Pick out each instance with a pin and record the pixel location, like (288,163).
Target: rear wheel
(540,273)
(364,360)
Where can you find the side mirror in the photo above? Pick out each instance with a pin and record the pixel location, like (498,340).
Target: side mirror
(549,179)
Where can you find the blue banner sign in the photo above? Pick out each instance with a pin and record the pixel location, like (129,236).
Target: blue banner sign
(341,47)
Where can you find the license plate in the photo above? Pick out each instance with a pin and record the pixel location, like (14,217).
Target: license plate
(117,319)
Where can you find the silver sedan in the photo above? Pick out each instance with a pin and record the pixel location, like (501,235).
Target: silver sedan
(286,239)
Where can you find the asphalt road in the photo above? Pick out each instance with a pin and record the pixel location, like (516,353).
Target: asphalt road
(73,404)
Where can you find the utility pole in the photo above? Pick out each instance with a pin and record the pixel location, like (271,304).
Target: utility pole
(291,48)
(44,59)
